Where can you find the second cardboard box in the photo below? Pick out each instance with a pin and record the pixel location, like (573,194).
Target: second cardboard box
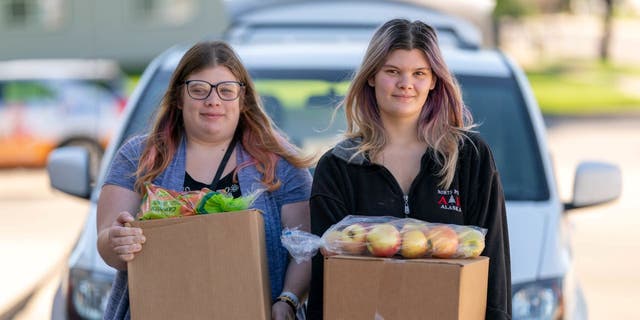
(379,288)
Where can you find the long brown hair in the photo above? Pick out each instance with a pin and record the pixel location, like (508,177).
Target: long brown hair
(444,119)
(259,137)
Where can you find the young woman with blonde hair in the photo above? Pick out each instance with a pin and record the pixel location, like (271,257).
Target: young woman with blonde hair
(410,151)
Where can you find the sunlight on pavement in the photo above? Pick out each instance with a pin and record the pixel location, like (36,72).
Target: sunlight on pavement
(604,237)
(38,231)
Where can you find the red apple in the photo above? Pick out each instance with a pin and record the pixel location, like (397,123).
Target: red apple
(383,240)
(471,242)
(443,241)
(414,244)
(353,239)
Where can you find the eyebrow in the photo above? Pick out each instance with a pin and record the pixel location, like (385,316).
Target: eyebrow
(416,69)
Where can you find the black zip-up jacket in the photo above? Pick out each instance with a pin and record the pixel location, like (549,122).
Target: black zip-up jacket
(345,185)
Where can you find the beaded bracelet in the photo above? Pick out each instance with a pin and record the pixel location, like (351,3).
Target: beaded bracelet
(292,296)
(288,301)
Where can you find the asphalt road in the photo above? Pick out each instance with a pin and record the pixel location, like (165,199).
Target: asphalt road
(604,237)
(38,229)
(39,226)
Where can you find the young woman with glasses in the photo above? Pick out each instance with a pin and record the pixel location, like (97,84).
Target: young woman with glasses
(210,131)
(410,151)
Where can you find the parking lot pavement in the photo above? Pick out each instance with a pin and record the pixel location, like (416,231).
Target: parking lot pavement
(38,229)
(604,237)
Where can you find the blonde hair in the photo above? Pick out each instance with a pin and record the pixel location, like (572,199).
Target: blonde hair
(444,119)
(259,137)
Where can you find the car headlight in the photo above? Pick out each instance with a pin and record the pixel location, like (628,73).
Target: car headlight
(538,300)
(88,293)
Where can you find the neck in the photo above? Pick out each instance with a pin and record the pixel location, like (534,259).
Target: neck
(194,143)
(402,133)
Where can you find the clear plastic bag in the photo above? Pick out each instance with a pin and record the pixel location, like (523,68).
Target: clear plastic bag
(383,236)
(160,203)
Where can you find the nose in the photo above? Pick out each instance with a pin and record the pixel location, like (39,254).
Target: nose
(404,82)
(213,98)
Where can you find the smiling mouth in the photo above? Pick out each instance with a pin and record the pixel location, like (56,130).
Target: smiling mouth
(403,97)
(211,115)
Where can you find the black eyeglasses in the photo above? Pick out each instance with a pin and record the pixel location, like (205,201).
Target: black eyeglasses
(227,90)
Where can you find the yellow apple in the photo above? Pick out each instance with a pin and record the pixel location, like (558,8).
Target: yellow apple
(414,226)
(414,244)
(471,242)
(383,240)
(332,241)
(353,239)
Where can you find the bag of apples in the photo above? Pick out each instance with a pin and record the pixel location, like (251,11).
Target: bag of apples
(384,236)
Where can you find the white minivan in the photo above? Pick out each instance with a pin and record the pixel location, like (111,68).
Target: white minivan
(300,84)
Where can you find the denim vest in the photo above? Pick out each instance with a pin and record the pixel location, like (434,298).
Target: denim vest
(295,187)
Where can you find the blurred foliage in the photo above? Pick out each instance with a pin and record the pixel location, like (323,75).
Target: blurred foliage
(293,94)
(22,91)
(513,8)
(584,87)
(132,82)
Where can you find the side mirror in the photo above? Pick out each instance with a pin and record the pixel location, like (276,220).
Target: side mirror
(595,183)
(69,171)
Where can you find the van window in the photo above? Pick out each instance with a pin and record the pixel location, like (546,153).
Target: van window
(498,107)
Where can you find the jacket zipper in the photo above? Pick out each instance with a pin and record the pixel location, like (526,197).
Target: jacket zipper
(406,205)
(405,197)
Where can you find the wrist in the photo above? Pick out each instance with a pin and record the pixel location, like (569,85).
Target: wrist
(288,302)
(294,298)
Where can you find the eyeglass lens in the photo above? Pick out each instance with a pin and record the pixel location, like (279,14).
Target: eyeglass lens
(201,89)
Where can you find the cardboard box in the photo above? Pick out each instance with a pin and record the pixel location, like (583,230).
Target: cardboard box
(201,267)
(379,288)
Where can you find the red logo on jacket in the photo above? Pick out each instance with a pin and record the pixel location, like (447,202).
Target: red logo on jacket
(449,200)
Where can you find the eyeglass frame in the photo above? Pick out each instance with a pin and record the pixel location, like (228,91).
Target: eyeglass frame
(211,87)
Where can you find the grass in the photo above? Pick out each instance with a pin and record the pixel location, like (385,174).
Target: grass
(583,88)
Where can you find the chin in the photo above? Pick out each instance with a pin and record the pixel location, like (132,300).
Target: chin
(402,112)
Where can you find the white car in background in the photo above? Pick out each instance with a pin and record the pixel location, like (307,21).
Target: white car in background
(339,21)
(300,83)
(49,103)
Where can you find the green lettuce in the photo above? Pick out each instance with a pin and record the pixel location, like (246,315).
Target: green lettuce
(216,202)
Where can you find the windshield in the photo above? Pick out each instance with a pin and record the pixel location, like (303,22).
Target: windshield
(293,33)
(301,103)
(498,108)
